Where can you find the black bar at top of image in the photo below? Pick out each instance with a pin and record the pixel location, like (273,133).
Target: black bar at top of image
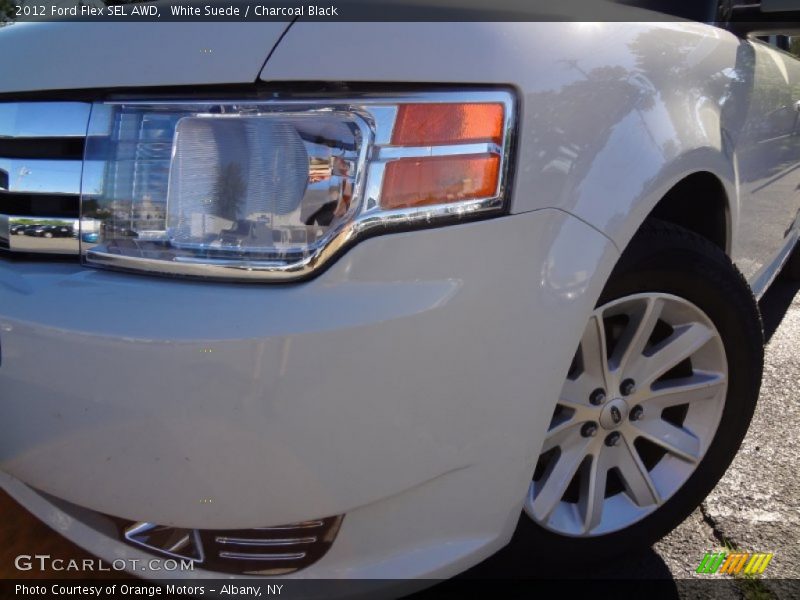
(720,11)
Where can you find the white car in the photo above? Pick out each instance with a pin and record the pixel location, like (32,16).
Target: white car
(352,297)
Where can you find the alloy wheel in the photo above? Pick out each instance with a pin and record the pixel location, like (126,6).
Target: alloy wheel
(639,408)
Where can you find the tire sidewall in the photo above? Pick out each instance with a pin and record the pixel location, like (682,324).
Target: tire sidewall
(684,265)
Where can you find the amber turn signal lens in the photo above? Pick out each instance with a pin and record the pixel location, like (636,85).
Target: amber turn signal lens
(413,182)
(429,124)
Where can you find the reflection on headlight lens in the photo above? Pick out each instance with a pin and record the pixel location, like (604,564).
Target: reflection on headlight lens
(264,188)
(270,190)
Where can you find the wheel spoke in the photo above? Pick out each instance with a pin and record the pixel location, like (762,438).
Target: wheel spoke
(593,352)
(593,490)
(581,412)
(558,435)
(683,343)
(638,484)
(700,386)
(678,441)
(637,333)
(575,396)
(573,390)
(558,476)
(575,393)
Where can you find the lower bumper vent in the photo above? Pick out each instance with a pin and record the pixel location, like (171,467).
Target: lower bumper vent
(277,550)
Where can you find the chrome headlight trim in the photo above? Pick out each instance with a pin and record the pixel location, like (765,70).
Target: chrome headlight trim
(377,113)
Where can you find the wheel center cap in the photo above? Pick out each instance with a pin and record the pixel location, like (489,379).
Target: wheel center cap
(614,413)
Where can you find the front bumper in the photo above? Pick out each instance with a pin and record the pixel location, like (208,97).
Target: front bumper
(408,387)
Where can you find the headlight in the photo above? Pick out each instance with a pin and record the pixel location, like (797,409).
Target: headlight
(272,190)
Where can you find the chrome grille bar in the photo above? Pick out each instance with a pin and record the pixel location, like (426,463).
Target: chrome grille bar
(41,148)
(40,176)
(249,556)
(39,235)
(43,119)
(239,541)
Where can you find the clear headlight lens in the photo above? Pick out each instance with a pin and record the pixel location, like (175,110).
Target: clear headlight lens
(274,189)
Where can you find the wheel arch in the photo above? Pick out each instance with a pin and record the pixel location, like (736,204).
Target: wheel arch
(699,203)
(697,191)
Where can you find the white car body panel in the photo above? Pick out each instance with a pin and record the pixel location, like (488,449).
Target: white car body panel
(410,385)
(352,432)
(613,114)
(107,55)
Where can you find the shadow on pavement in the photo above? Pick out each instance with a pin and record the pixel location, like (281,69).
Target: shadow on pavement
(775,303)
(515,572)
(519,560)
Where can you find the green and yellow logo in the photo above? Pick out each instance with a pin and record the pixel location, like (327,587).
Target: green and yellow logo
(734,563)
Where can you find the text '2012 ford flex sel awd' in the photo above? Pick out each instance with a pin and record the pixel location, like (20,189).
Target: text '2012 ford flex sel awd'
(345,299)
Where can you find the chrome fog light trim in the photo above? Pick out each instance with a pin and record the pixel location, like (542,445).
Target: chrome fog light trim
(276,550)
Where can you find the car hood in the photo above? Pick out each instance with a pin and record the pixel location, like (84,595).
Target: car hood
(64,56)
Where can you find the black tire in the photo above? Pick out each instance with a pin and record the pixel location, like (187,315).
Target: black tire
(666,258)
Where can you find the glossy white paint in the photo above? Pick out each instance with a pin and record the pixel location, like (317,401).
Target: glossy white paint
(104,55)
(414,368)
(411,384)
(614,114)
